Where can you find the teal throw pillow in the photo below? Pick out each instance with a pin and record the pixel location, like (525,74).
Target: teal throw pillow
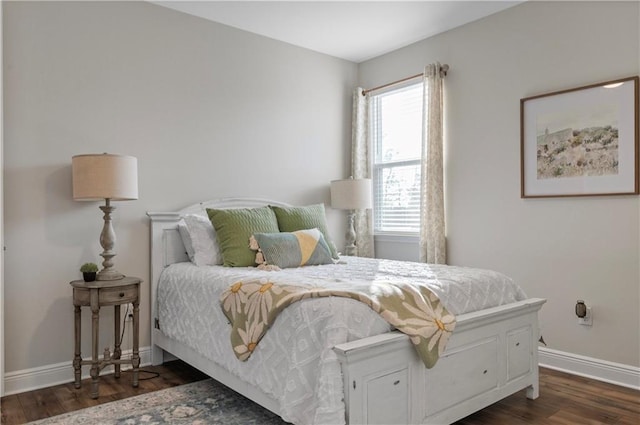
(295,249)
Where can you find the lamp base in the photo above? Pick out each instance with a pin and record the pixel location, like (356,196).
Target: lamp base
(350,237)
(108,241)
(351,250)
(109,275)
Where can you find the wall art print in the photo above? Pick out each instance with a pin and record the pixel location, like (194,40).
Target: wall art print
(581,141)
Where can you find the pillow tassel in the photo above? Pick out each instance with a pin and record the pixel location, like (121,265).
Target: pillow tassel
(253,244)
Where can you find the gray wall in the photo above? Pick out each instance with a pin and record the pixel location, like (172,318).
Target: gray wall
(559,249)
(209,111)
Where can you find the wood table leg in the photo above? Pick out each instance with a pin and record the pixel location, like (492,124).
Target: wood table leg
(95,361)
(135,359)
(77,357)
(117,352)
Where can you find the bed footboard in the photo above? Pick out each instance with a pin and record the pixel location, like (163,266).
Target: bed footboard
(492,354)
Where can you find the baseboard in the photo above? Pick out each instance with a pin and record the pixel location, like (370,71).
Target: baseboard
(59,373)
(601,370)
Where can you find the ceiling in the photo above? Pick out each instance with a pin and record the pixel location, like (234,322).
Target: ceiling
(351,30)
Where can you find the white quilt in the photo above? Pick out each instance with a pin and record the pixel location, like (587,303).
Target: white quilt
(294,362)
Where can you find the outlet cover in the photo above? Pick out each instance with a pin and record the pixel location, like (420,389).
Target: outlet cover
(586,320)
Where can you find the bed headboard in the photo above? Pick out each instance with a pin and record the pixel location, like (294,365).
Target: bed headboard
(166,244)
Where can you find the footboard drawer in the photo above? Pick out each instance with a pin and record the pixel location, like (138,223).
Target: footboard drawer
(467,371)
(387,399)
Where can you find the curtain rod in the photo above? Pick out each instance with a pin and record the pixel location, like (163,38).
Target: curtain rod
(443,70)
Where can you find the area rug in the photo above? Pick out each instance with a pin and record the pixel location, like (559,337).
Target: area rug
(200,403)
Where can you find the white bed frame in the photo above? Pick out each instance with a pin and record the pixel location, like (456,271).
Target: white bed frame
(492,354)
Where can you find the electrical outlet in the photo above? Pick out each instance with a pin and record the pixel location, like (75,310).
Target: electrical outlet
(586,320)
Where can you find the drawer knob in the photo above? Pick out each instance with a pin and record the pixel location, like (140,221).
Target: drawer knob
(397,382)
(485,372)
(517,344)
(121,294)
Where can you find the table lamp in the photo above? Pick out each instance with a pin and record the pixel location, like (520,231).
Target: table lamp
(351,194)
(108,177)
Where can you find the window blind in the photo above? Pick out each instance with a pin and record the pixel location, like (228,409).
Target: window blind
(396,132)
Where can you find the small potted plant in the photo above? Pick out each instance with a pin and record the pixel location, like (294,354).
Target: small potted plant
(89,271)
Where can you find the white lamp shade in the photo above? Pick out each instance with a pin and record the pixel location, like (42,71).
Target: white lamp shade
(104,176)
(351,194)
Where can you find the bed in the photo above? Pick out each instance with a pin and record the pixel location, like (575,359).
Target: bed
(367,375)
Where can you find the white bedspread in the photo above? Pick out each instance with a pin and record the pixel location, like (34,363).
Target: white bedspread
(294,362)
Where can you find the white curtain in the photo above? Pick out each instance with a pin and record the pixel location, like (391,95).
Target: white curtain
(432,227)
(360,169)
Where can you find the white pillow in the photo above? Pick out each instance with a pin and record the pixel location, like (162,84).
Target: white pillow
(186,238)
(206,251)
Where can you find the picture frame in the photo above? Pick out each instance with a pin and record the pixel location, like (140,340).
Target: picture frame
(581,141)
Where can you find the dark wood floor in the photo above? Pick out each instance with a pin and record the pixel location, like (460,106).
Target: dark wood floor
(51,401)
(564,399)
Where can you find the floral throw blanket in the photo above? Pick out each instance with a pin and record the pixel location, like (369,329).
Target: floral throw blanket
(253,305)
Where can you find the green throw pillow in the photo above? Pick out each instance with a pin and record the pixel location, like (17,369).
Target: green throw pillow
(295,249)
(291,219)
(234,227)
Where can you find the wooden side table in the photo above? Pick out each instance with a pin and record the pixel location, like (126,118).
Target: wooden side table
(95,295)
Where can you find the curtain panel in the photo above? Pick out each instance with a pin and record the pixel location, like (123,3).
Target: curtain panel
(361,160)
(432,220)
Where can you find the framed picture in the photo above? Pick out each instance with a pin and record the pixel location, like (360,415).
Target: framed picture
(581,141)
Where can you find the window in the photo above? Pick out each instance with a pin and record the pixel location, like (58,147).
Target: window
(396,132)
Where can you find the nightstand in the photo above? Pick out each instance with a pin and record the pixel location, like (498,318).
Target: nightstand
(99,294)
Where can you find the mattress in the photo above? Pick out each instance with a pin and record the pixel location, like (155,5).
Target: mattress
(294,363)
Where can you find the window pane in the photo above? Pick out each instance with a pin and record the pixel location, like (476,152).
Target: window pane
(398,124)
(397,198)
